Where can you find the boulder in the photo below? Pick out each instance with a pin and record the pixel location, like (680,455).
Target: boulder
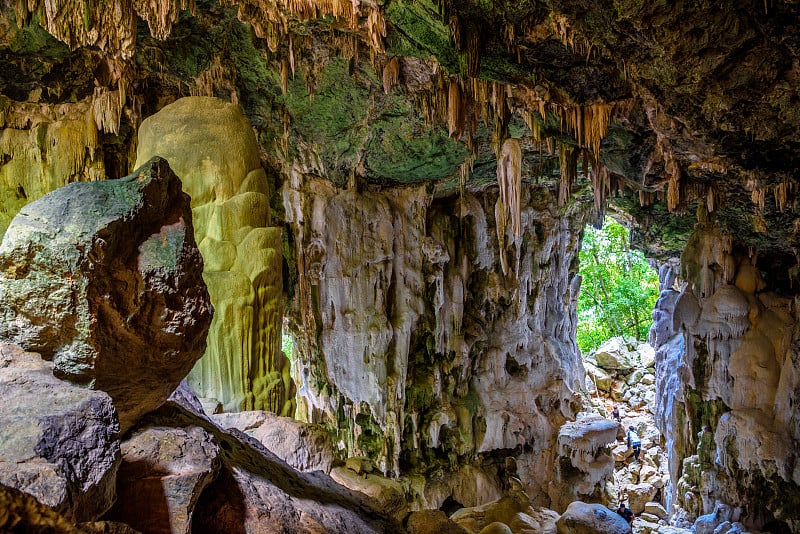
(647,355)
(432,522)
(583,518)
(597,377)
(20,512)
(655,509)
(388,494)
(164,470)
(58,442)
(105,279)
(639,495)
(614,355)
(304,446)
(496,528)
(513,511)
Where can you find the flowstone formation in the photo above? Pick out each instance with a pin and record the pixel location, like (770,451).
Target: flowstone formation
(416,349)
(103,279)
(727,375)
(211,146)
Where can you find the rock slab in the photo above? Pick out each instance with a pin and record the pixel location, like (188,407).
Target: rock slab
(59,442)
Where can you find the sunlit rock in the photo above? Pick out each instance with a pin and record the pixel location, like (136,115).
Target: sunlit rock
(104,279)
(211,146)
(304,446)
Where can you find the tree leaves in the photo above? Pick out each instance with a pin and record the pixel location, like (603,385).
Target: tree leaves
(618,288)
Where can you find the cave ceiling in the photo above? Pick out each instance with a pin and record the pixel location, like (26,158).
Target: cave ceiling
(670,111)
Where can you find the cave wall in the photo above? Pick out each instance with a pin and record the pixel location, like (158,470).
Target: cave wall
(414,347)
(727,378)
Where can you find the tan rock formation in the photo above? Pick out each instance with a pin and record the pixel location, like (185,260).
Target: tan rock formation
(583,518)
(211,146)
(104,278)
(58,441)
(304,446)
(586,444)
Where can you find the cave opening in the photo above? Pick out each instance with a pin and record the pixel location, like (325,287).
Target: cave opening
(619,287)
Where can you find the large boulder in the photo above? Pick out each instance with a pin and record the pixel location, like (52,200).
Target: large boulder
(58,442)
(583,518)
(163,473)
(432,522)
(105,279)
(615,355)
(304,446)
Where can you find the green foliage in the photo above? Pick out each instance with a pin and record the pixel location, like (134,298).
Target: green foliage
(618,290)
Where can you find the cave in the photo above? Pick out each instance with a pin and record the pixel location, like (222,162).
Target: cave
(401,187)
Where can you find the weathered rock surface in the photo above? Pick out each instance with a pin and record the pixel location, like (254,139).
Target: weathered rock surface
(254,490)
(58,442)
(304,446)
(391,352)
(211,146)
(164,470)
(104,279)
(512,512)
(432,522)
(725,392)
(20,512)
(583,518)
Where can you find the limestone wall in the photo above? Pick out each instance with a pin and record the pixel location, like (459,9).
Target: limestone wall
(414,347)
(212,148)
(727,369)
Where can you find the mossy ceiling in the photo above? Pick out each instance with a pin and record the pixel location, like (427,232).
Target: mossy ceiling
(702,98)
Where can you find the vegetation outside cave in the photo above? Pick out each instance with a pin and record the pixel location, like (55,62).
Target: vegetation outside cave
(618,289)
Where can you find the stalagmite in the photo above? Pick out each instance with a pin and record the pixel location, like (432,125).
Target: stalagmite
(243,368)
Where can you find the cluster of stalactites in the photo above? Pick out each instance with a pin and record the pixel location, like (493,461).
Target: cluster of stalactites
(271,19)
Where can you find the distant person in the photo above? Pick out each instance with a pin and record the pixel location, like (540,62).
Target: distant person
(626,513)
(615,415)
(634,442)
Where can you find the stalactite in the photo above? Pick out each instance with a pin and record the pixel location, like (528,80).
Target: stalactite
(106,110)
(568,160)
(391,74)
(471,52)
(601,183)
(455,111)
(509,178)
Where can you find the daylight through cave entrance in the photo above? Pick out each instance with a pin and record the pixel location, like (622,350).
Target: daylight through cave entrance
(618,287)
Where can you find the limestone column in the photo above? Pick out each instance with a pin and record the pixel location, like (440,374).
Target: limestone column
(212,148)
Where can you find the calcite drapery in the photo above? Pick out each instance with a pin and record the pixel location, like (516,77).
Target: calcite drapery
(44,147)
(725,366)
(104,278)
(414,346)
(212,148)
